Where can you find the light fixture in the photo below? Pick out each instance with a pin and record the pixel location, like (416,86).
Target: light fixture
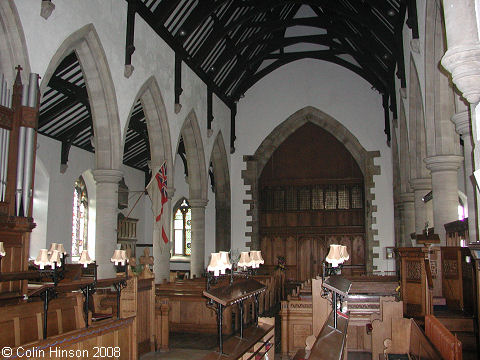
(256,258)
(334,257)
(119,257)
(42,259)
(245,260)
(85,259)
(55,260)
(61,249)
(53,246)
(224,261)
(344,253)
(2,250)
(215,264)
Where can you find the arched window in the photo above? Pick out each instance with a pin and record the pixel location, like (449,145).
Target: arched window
(79,219)
(182,225)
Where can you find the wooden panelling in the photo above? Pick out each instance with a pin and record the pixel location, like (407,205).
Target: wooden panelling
(111,339)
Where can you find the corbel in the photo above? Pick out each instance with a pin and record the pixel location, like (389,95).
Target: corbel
(209,111)
(46,8)
(233,114)
(178,82)
(130,35)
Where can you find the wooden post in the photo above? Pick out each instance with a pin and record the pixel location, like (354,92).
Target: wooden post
(284,319)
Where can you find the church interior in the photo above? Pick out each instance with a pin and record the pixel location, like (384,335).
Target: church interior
(239,179)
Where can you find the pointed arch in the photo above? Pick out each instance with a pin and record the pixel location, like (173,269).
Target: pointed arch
(441,137)
(222,194)
(101,92)
(153,105)
(418,147)
(13,48)
(364,159)
(197,171)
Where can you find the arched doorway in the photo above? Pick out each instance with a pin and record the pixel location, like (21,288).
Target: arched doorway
(311,195)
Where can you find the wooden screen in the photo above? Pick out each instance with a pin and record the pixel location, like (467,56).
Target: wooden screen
(311,196)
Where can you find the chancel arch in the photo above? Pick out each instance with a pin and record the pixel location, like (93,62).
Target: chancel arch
(331,127)
(221,181)
(197,185)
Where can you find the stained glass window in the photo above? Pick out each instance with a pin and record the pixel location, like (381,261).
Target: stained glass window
(79,218)
(182,225)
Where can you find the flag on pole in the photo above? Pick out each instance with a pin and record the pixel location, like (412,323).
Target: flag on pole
(157,188)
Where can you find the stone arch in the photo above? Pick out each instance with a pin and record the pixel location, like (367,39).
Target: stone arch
(404,160)
(222,195)
(101,92)
(365,160)
(417,137)
(441,137)
(153,105)
(197,171)
(160,143)
(13,48)
(197,183)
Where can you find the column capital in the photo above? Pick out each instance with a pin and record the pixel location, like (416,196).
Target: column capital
(443,163)
(421,184)
(198,203)
(462,123)
(407,197)
(462,62)
(107,176)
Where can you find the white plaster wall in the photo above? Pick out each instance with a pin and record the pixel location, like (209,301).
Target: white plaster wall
(335,91)
(152,57)
(54,191)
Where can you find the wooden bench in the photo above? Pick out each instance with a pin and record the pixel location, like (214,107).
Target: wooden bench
(23,323)
(447,344)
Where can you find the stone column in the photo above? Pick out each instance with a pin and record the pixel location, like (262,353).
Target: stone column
(444,170)
(408,217)
(462,59)
(421,187)
(106,223)
(161,251)
(462,126)
(197,259)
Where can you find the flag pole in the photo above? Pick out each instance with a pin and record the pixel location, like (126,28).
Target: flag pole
(133,207)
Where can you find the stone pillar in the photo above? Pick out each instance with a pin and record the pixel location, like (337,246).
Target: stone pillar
(462,59)
(421,187)
(161,251)
(408,217)
(444,170)
(197,259)
(106,223)
(462,126)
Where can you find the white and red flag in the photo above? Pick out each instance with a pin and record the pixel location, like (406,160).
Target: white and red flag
(157,189)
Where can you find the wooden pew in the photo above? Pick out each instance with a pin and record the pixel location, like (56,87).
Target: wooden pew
(23,323)
(447,344)
(114,339)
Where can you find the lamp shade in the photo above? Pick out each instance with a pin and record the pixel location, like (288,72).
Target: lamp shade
(256,258)
(344,253)
(215,264)
(61,250)
(334,256)
(85,259)
(245,260)
(42,259)
(53,246)
(119,257)
(55,258)
(225,261)
(2,249)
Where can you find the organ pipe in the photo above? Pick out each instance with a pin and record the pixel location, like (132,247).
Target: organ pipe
(29,146)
